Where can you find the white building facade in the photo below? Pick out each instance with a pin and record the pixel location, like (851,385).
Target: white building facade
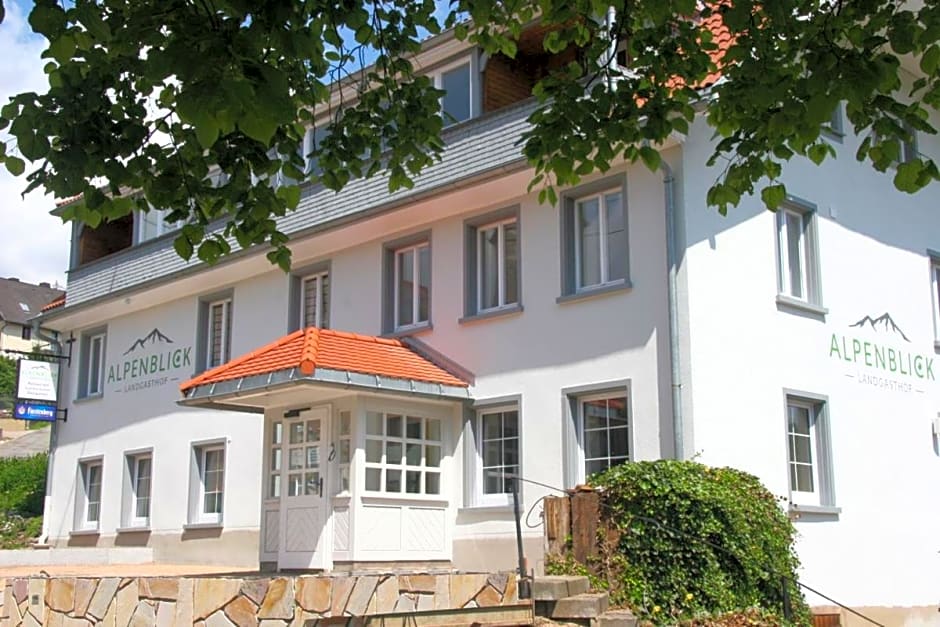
(519,338)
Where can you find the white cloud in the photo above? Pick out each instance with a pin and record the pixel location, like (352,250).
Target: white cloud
(34,246)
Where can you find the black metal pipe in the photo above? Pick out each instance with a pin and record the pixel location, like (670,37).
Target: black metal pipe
(523,579)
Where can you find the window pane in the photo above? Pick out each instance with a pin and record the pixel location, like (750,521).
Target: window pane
(393,481)
(313,431)
(294,484)
(511,263)
(619,443)
(344,455)
(406,287)
(492,453)
(492,426)
(295,459)
(274,487)
(413,428)
(277,432)
(310,302)
(424,283)
(296,433)
(433,430)
(373,479)
(595,444)
(432,481)
(511,424)
(374,451)
(313,457)
(393,426)
(94,368)
(456,102)
(413,454)
(799,419)
(596,466)
(804,477)
(617,412)
(595,414)
(374,423)
(800,449)
(413,482)
(794,254)
(276,459)
(432,456)
(325,301)
(344,423)
(216,320)
(393,452)
(616,238)
(589,242)
(312,483)
(489,268)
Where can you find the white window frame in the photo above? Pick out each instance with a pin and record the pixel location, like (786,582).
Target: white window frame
(197,514)
(481,498)
(226,341)
(83,501)
(582,433)
(162,226)
(415,250)
(95,342)
(437,77)
(810,276)
(935,295)
(822,498)
(383,466)
(132,465)
(501,267)
(318,318)
(604,252)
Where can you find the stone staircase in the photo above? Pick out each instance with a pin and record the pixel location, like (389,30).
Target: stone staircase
(568,600)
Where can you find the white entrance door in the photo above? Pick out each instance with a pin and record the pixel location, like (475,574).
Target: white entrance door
(303,494)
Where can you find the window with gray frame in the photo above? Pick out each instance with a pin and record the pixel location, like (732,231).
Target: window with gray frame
(91,367)
(88,497)
(137,500)
(595,247)
(406,302)
(310,298)
(809,467)
(935,289)
(605,432)
(498,437)
(493,262)
(457,82)
(798,254)
(207,488)
(214,330)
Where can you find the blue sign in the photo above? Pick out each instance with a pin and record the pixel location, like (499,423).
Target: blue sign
(35,411)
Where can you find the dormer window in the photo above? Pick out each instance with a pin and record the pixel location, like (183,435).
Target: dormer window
(152,224)
(458,80)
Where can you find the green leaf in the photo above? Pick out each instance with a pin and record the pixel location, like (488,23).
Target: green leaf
(908,176)
(290,194)
(650,157)
(62,48)
(773,196)
(183,247)
(258,128)
(15,165)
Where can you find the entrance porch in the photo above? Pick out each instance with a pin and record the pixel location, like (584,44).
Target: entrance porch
(360,443)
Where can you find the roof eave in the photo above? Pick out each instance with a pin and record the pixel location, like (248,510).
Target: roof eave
(223,394)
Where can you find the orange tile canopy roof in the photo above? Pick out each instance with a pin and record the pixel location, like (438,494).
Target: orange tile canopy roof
(312,348)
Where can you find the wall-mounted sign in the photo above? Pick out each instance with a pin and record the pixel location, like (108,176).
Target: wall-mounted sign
(28,410)
(882,356)
(37,380)
(149,362)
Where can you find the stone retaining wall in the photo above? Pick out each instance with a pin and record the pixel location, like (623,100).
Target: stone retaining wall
(233,601)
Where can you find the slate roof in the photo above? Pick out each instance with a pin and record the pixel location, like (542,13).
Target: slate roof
(14,294)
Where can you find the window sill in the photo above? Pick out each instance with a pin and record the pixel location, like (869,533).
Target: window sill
(489,314)
(89,398)
(813,512)
(424,499)
(126,530)
(202,525)
(84,533)
(482,508)
(412,330)
(591,292)
(796,305)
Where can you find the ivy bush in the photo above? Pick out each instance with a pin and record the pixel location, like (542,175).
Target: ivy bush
(23,485)
(680,540)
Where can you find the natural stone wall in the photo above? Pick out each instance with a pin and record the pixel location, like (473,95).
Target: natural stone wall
(233,601)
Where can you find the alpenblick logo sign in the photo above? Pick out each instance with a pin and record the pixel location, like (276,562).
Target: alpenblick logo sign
(882,355)
(148,362)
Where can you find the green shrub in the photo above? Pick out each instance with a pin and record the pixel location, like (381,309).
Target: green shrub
(23,484)
(680,540)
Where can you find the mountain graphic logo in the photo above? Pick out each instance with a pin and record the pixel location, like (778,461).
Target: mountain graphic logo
(884,322)
(151,338)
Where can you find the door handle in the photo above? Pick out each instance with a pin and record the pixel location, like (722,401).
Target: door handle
(320,486)
(332,454)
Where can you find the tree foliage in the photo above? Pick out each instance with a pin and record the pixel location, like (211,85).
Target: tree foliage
(147,98)
(681,540)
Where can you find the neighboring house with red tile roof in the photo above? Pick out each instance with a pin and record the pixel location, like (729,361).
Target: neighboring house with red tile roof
(20,302)
(374,404)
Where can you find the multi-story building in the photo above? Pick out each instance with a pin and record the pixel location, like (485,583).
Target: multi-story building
(364,407)
(20,302)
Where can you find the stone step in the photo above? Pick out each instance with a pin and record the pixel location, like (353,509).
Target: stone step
(615,618)
(555,587)
(584,605)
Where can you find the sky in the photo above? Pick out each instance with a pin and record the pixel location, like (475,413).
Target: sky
(34,246)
